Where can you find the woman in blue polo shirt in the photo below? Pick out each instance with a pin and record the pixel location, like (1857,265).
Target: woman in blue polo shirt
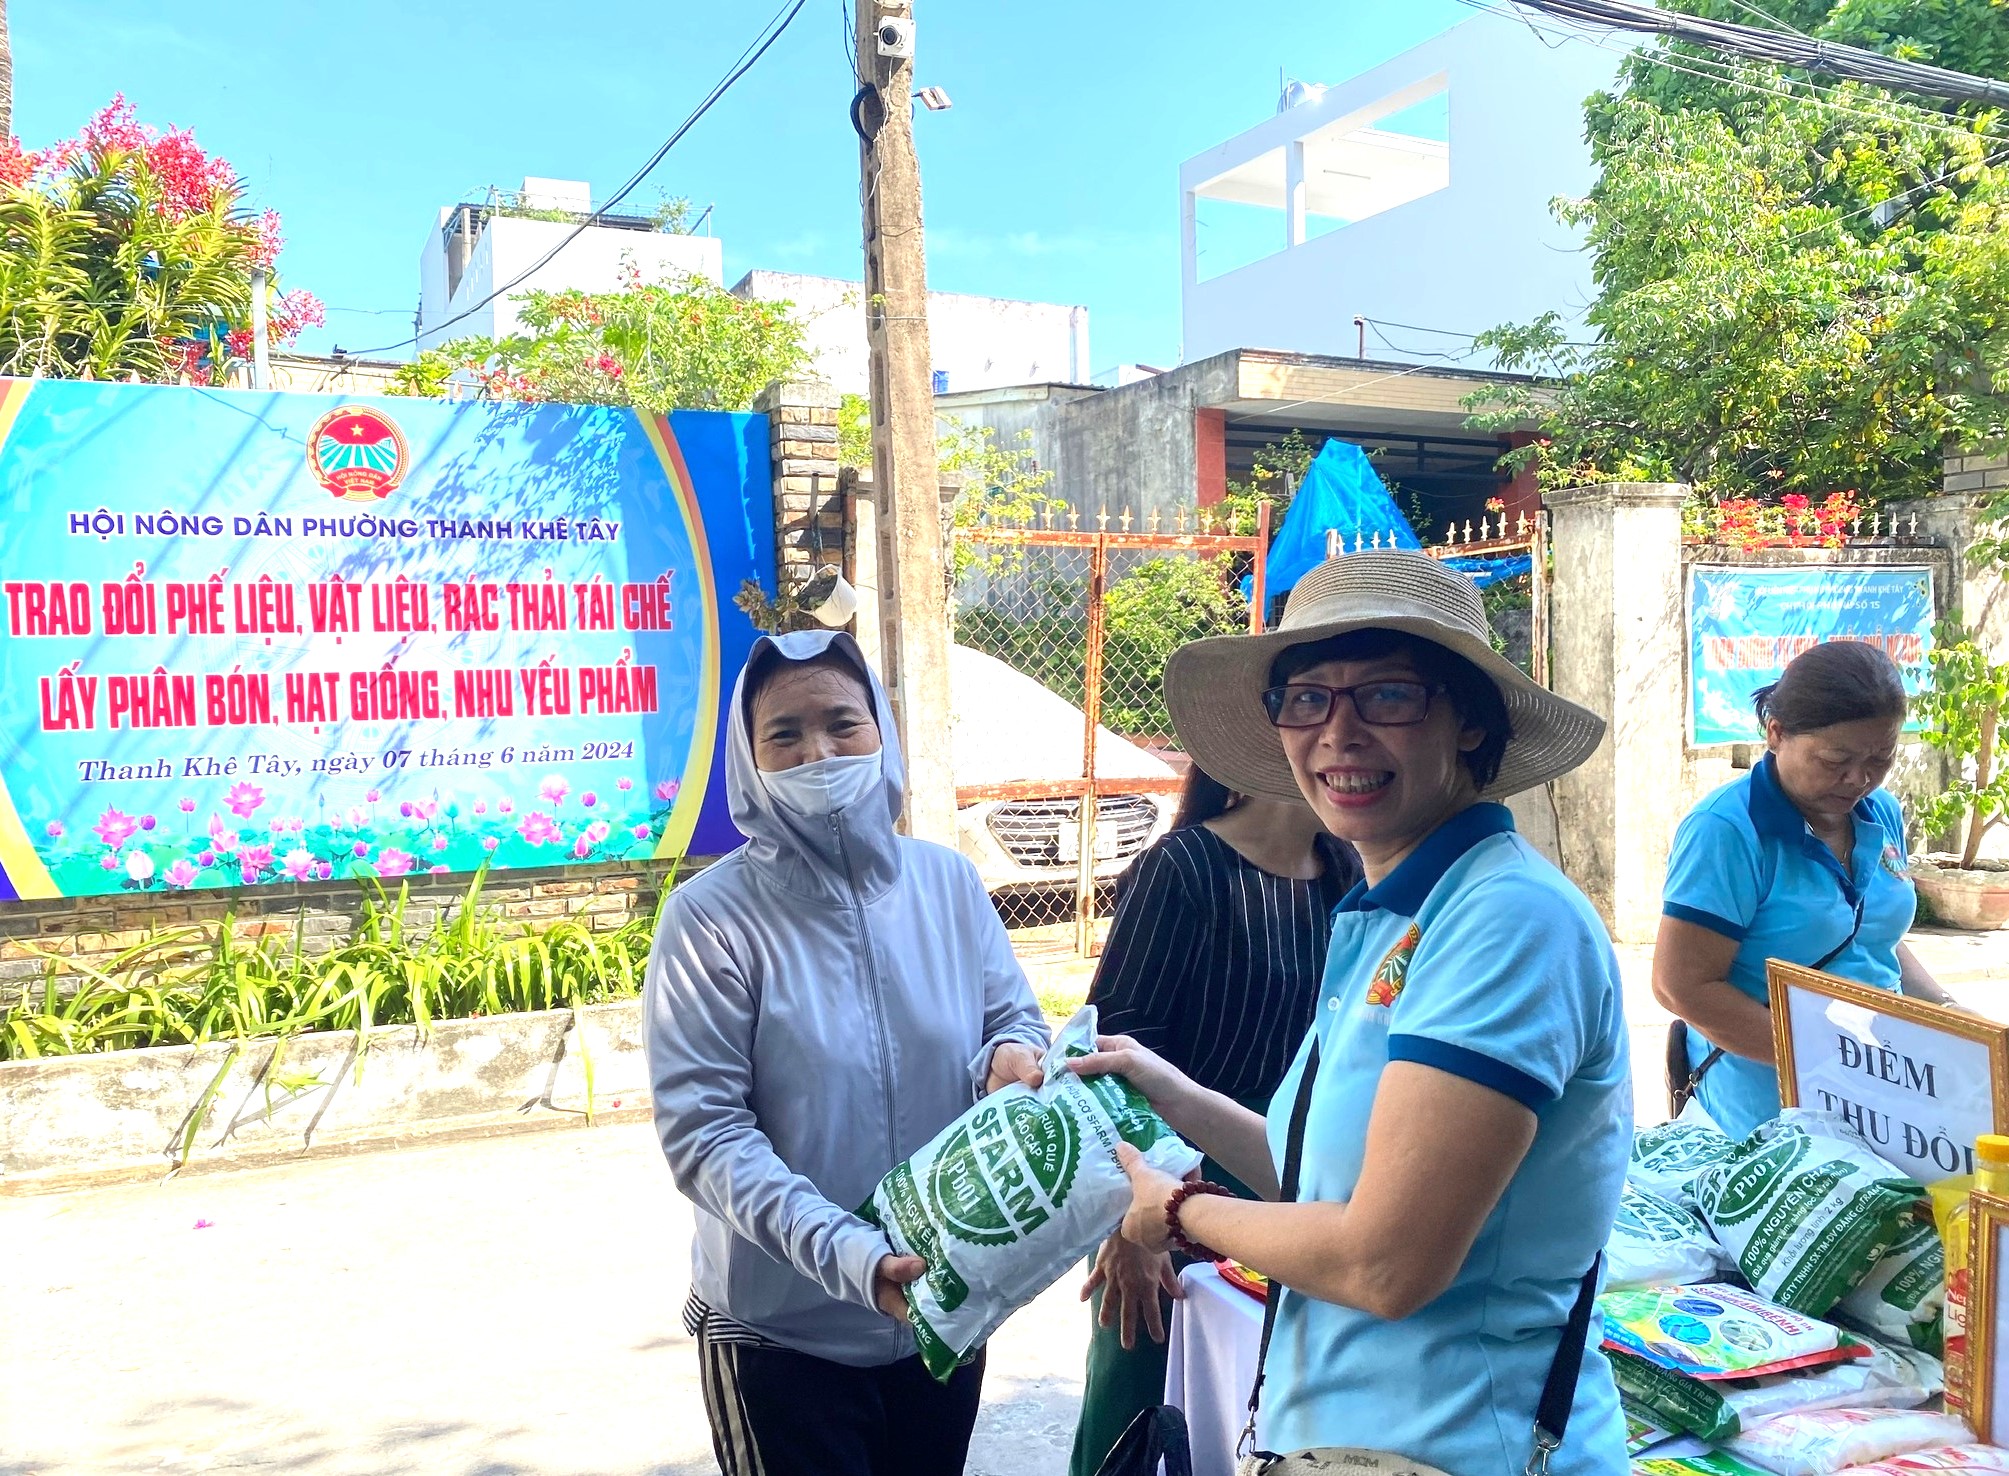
(1802,859)
(1463,1100)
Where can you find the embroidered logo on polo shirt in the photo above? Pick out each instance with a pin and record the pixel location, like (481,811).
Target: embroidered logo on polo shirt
(1392,973)
(1894,862)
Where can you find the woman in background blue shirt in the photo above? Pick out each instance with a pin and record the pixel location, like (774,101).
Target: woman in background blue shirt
(1802,859)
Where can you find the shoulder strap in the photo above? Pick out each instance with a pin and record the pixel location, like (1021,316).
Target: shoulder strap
(1836,952)
(1559,1392)
(1293,1159)
(1552,1415)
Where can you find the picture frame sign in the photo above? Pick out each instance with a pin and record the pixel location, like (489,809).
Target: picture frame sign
(1919,1081)
(1988,1369)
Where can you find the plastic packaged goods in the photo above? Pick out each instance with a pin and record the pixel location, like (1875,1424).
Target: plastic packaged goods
(1825,1442)
(1642,1430)
(1904,1295)
(1715,1330)
(1950,1210)
(1969,1460)
(1717,1410)
(1716,1463)
(1668,1158)
(1655,1242)
(1806,1207)
(1002,1201)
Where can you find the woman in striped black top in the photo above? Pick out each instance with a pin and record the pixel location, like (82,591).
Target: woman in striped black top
(1214,962)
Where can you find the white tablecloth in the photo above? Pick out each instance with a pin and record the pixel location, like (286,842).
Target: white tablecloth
(1210,1364)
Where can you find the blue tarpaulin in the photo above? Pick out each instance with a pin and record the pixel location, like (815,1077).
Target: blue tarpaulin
(1343,491)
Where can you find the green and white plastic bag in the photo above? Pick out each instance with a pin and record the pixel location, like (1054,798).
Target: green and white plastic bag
(1807,1208)
(1717,1410)
(1668,1157)
(1020,1187)
(1655,1242)
(1904,1295)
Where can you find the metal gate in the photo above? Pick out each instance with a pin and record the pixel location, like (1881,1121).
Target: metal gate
(1077,767)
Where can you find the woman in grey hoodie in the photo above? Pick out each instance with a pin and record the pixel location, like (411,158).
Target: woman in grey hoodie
(821,1003)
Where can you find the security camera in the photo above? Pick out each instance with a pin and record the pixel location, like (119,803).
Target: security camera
(896,36)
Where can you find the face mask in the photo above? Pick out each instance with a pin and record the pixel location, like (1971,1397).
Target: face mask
(826,786)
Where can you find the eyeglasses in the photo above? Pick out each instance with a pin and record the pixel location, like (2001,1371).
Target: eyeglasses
(1380,704)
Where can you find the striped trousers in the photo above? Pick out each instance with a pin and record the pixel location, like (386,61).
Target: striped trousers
(776,1412)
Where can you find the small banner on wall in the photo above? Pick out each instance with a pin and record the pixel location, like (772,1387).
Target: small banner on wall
(259,638)
(1745,624)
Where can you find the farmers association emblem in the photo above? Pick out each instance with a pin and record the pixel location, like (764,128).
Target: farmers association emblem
(1392,973)
(357,453)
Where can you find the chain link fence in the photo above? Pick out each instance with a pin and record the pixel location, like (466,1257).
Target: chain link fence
(1066,762)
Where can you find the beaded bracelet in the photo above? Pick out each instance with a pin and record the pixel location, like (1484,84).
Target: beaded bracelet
(1178,1237)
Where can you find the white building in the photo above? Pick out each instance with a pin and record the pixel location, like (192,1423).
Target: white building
(1417,193)
(975,342)
(474,249)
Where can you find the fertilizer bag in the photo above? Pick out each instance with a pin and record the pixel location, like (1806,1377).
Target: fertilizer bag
(1655,1242)
(1904,1294)
(1002,1201)
(1807,1208)
(1668,1158)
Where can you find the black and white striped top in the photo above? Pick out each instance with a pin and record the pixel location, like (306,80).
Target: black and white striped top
(1214,963)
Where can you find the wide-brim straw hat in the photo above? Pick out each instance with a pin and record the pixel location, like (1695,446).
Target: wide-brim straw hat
(1214,687)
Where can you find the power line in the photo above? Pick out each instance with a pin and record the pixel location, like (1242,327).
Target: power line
(756,49)
(1851,63)
(1926,118)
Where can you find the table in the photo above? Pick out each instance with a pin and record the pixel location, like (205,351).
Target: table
(1210,1364)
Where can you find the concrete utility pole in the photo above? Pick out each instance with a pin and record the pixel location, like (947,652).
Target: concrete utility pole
(913,591)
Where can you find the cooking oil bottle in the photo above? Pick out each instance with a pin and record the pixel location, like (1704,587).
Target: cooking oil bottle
(1952,1204)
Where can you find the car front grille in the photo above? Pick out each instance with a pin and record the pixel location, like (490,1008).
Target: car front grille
(1029,830)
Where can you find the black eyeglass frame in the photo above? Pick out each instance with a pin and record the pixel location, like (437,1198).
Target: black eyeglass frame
(1274,698)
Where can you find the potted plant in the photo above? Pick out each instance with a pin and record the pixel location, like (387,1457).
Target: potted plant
(1962,707)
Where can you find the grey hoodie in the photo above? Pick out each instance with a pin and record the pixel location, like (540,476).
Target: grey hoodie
(821,1002)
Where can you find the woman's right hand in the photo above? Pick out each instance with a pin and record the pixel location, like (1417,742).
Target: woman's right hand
(1131,1279)
(889,1283)
(1158,1079)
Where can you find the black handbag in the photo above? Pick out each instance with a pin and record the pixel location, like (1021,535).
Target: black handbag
(1158,1434)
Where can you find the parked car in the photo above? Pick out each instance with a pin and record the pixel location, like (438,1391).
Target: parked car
(1006,728)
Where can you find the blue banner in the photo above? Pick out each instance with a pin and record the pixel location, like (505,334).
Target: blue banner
(257,639)
(1746,624)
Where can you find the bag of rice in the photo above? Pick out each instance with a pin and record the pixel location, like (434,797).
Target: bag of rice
(1002,1201)
(1717,1409)
(1904,1294)
(1715,1331)
(1655,1242)
(1806,1207)
(1970,1460)
(1826,1441)
(1667,1159)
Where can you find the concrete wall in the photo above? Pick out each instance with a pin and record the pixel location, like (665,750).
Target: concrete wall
(508,245)
(129,1114)
(1481,252)
(978,342)
(1132,447)
(311,374)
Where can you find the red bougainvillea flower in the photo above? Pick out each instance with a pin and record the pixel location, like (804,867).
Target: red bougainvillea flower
(243,798)
(116,827)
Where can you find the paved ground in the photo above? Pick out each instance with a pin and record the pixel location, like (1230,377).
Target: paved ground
(500,1308)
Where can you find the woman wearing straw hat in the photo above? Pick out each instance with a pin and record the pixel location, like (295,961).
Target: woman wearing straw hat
(1454,1130)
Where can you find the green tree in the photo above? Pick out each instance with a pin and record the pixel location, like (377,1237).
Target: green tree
(1151,612)
(1796,294)
(680,345)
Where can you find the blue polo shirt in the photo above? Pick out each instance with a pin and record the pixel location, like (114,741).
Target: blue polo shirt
(1476,957)
(1748,866)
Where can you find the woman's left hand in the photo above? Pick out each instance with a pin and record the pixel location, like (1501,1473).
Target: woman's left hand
(1015,1061)
(1144,1222)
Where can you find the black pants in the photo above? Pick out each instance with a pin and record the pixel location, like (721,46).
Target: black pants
(776,1412)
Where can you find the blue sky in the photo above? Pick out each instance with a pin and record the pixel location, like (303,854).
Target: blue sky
(1054,176)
